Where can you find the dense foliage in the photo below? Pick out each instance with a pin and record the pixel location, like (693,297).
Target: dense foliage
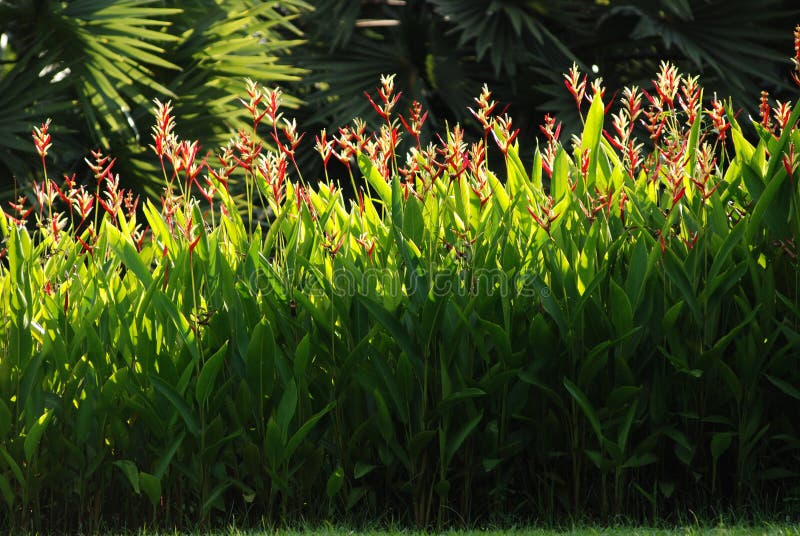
(614,330)
(94,67)
(444,50)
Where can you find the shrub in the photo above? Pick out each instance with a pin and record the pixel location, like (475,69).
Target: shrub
(612,331)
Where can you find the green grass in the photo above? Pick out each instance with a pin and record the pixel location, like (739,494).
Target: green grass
(718,530)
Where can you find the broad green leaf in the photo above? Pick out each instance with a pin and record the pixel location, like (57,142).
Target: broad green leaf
(720,443)
(362,469)
(6,491)
(5,421)
(208,374)
(335,482)
(586,406)
(34,436)
(786,387)
(286,409)
(260,360)
(592,133)
(151,485)
(128,255)
(454,443)
(391,325)
(384,419)
(304,430)
(621,311)
(184,411)
(13,465)
(375,179)
(131,472)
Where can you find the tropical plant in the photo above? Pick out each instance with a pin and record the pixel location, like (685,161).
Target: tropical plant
(612,330)
(444,50)
(95,66)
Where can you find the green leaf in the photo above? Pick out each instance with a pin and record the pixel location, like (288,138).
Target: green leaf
(5,420)
(677,274)
(286,409)
(621,311)
(384,419)
(390,324)
(13,465)
(720,443)
(180,405)
(128,255)
(375,179)
(784,386)
(442,488)
(454,443)
(362,469)
(304,430)
(34,436)
(5,490)
(775,177)
(208,374)
(592,132)
(131,472)
(260,360)
(151,485)
(335,482)
(587,408)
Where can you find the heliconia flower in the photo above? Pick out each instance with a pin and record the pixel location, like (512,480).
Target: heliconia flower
(42,139)
(667,83)
(185,159)
(597,89)
(575,85)
(248,150)
(655,122)
(256,96)
(88,247)
(764,111)
(585,163)
(324,147)
(367,244)
(507,137)
(163,137)
(485,108)
(477,156)
(45,195)
(208,190)
(415,121)
(170,204)
(690,94)
(661,241)
(551,132)
(548,217)
(57,223)
(782,112)
(114,197)
(97,168)
(20,212)
(632,101)
(718,120)
(691,241)
(387,96)
(274,97)
(791,163)
(83,201)
(130,204)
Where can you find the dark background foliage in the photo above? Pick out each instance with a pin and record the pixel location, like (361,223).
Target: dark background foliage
(94,66)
